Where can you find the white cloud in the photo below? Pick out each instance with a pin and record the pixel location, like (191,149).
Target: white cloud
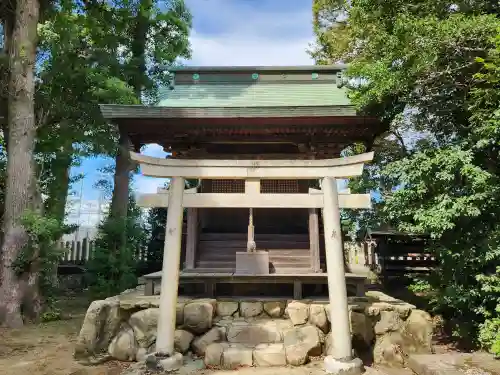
(244,50)
(154,150)
(230,32)
(143,184)
(148,185)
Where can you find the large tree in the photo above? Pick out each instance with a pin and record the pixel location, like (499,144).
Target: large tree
(429,70)
(21,187)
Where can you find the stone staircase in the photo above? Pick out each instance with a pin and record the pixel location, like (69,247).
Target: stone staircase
(235,342)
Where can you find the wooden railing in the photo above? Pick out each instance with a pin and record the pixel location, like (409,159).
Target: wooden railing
(79,252)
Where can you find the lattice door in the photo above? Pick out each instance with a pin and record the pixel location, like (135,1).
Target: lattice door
(227,186)
(279,186)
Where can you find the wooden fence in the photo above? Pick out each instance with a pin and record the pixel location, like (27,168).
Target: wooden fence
(78,253)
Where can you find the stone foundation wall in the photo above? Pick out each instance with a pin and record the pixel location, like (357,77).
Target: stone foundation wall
(231,333)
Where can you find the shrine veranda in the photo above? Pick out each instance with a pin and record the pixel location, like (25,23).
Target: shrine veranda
(264,144)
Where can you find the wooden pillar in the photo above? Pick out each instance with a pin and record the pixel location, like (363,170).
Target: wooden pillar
(337,290)
(314,240)
(252,187)
(251,245)
(191,237)
(170,269)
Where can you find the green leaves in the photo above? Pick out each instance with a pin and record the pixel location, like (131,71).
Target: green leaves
(430,70)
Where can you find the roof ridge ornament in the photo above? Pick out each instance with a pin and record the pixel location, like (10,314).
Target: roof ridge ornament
(341,80)
(171,83)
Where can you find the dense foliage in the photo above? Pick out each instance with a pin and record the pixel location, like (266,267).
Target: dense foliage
(429,70)
(86,53)
(112,268)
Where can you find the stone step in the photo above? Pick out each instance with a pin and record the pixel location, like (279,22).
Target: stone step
(259,342)
(254,332)
(453,364)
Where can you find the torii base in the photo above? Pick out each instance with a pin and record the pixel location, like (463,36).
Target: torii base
(343,367)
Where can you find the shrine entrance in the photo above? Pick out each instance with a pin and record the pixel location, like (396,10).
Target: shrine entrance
(252,172)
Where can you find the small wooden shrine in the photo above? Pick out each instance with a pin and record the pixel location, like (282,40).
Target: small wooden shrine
(251,113)
(397,254)
(258,139)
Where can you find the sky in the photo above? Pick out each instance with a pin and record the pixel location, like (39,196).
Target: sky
(225,32)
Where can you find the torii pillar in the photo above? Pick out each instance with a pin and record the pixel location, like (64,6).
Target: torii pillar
(340,360)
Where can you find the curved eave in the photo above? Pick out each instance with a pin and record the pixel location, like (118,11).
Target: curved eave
(274,68)
(114,111)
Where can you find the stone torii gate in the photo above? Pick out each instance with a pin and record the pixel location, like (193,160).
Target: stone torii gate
(340,359)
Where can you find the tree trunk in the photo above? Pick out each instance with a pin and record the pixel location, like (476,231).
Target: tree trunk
(4,72)
(4,83)
(33,301)
(119,201)
(20,164)
(55,204)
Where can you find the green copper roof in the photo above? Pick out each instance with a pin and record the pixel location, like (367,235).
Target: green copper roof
(254,95)
(253,86)
(274,68)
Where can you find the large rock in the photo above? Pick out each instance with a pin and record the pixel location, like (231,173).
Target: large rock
(415,337)
(419,329)
(145,326)
(254,333)
(389,321)
(179,313)
(133,303)
(317,317)
(226,308)
(198,316)
(100,325)
(300,343)
(182,340)
(213,354)
(298,312)
(250,309)
(404,309)
(237,355)
(267,355)
(361,327)
(124,346)
(201,343)
(274,309)
(388,350)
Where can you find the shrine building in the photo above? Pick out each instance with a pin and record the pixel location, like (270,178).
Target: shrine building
(250,113)
(264,144)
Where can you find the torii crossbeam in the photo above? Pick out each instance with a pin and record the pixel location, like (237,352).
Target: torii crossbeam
(252,171)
